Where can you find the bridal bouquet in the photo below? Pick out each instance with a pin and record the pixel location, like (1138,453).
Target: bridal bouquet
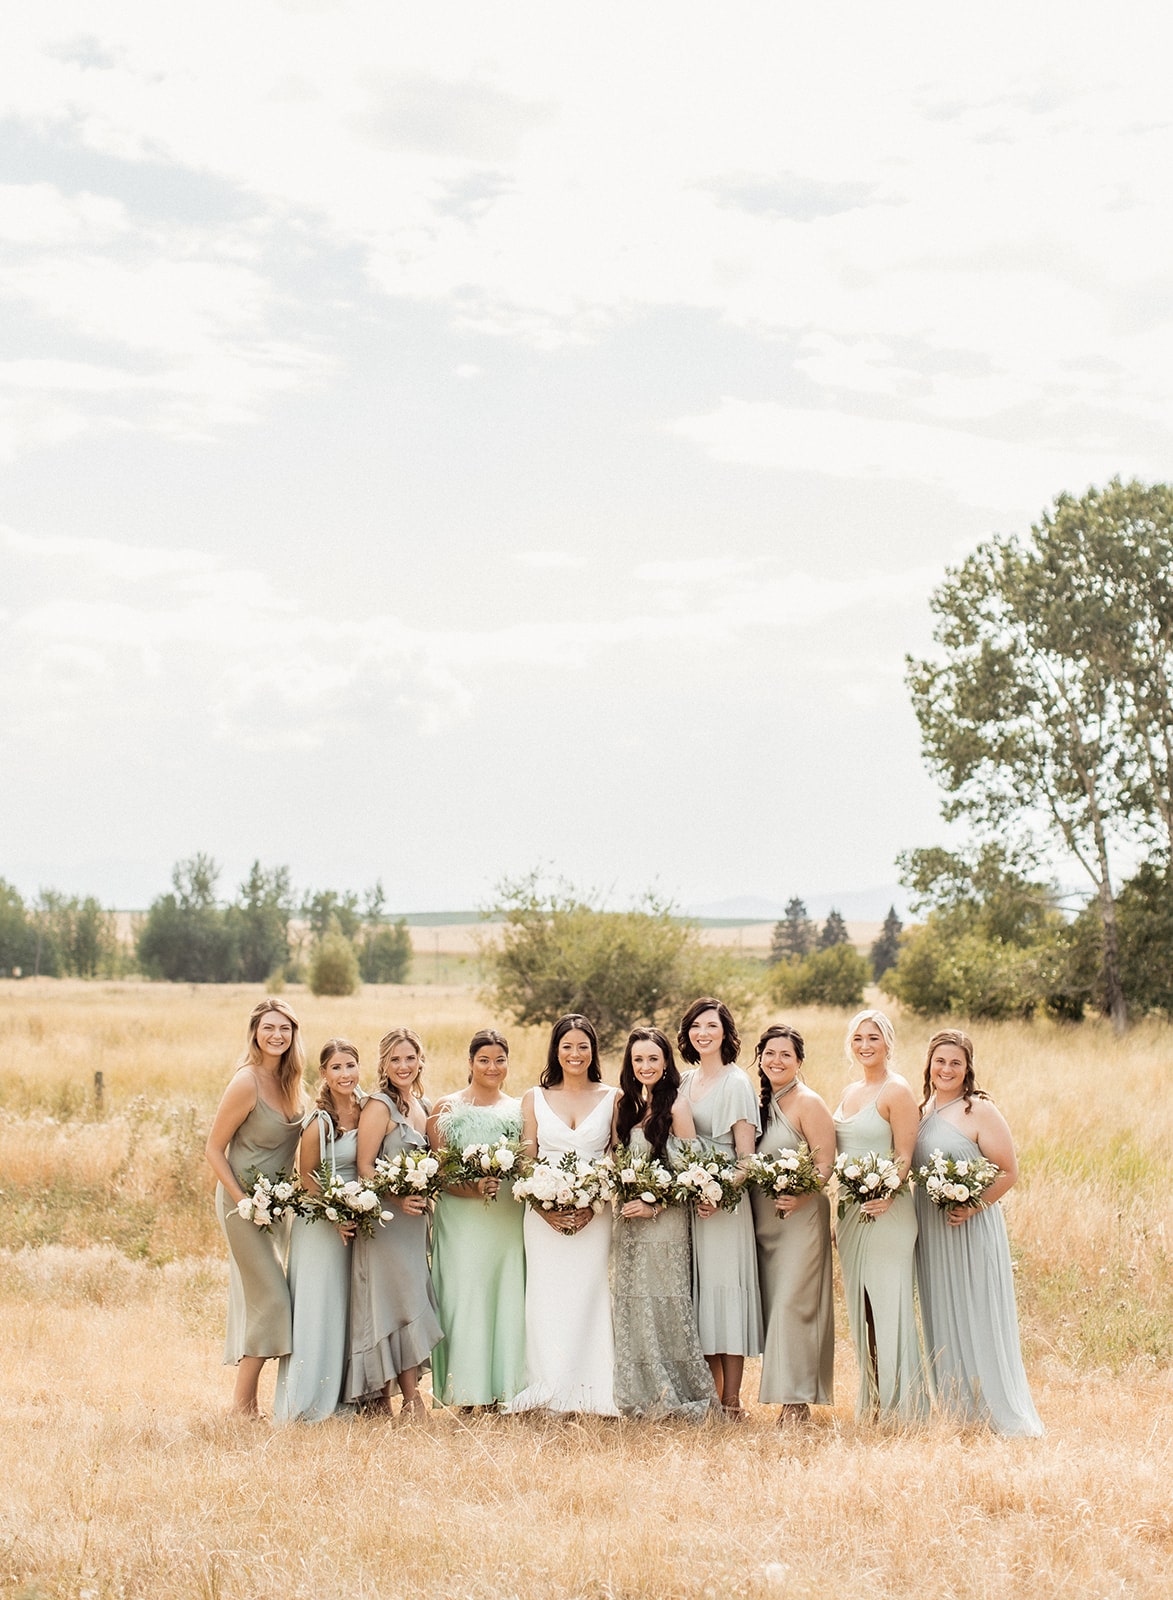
(707,1176)
(638,1176)
(952,1184)
(571,1184)
(472,1162)
(271,1200)
(785,1172)
(412,1171)
(867,1177)
(346,1200)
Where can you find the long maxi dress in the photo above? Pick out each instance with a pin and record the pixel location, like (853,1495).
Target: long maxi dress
(569,1340)
(478,1270)
(393,1322)
(659,1367)
(877,1261)
(725,1258)
(310,1378)
(794,1270)
(966,1287)
(260,1322)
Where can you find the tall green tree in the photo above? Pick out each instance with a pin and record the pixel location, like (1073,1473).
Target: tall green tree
(258,922)
(1021,714)
(794,934)
(833,931)
(17,936)
(885,950)
(186,937)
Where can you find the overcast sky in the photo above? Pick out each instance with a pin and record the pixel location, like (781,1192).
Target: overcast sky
(442,439)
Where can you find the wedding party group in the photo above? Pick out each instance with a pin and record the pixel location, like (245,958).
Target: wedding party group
(618,1251)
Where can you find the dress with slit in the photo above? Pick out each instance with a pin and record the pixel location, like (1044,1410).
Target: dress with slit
(876,1256)
(965,1282)
(569,1341)
(725,1258)
(393,1321)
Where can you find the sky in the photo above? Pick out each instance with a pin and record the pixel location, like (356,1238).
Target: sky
(439,442)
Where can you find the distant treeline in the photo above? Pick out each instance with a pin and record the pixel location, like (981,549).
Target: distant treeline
(265,933)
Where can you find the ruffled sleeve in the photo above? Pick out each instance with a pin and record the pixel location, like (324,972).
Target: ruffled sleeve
(734,1101)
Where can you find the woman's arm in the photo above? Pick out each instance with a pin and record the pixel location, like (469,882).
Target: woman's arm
(814,1123)
(683,1124)
(309,1157)
(235,1104)
(991,1134)
(529,1126)
(373,1121)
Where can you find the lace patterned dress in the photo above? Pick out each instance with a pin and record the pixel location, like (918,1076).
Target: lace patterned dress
(659,1368)
(478,1269)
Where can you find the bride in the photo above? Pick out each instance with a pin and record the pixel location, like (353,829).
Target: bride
(569,1344)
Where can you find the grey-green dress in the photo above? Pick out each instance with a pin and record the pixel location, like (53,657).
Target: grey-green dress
(393,1322)
(259,1319)
(478,1269)
(309,1379)
(877,1260)
(725,1258)
(966,1286)
(794,1269)
(659,1368)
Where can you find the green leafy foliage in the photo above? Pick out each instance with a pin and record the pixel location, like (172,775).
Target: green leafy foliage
(886,949)
(333,965)
(831,977)
(385,953)
(794,934)
(833,931)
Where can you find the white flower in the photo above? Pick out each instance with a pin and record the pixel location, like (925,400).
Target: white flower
(892,1180)
(386,1216)
(284,1191)
(649,1197)
(367,1200)
(961,1169)
(244,1207)
(470,1152)
(853,1171)
(872,1181)
(331,1214)
(627,1175)
(505,1160)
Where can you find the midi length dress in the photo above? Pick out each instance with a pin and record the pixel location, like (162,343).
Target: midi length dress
(877,1261)
(393,1321)
(965,1282)
(794,1270)
(310,1378)
(260,1322)
(725,1258)
(478,1271)
(569,1341)
(659,1367)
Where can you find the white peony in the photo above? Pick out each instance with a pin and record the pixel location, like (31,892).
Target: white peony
(505,1160)
(244,1208)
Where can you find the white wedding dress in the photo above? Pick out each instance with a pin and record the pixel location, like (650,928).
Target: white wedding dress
(569,1342)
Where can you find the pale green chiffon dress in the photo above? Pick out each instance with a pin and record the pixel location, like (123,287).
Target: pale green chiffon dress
(966,1286)
(478,1270)
(259,1318)
(725,1257)
(794,1269)
(877,1261)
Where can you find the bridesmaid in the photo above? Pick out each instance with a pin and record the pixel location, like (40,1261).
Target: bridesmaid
(878,1112)
(569,1342)
(659,1368)
(794,1237)
(393,1323)
(725,1265)
(478,1250)
(964,1277)
(309,1379)
(256,1130)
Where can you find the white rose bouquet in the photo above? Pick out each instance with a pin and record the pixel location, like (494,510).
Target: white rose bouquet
(952,1184)
(638,1176)
(707,1175)
(415,1170)
(571,1184)
(786,1172)
(862,1178)
(271,1200)
(345,1201)
(472,1162)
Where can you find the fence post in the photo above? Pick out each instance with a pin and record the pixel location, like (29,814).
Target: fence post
(99,1087)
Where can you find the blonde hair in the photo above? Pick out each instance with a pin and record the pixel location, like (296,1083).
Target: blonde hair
(883,1022)
(325,1097)
(291,1067)
(386,1044)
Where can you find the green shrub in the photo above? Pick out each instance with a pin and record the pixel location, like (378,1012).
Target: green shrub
(333,965)
(831,977)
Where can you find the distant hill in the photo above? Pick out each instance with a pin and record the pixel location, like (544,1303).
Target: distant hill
(857,905)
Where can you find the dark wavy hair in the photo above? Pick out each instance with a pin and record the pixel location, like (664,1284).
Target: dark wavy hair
(969,1088)
(777,1030)
(658,1106)
(551,1077)
(730,1044)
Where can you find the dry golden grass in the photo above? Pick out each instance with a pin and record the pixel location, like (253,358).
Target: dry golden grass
(133,1482)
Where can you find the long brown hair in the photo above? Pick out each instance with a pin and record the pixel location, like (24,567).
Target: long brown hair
(777,1030)
(325,1099)
(291,1067)
(386,1044)
(660,1101)
(963,1042)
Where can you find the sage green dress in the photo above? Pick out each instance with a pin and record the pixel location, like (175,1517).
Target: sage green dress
(659,1368)
(393,1322)
(877,1261)
(478,1270)
(966,1286)
(794,1270)
(725,1257)
(259,1317)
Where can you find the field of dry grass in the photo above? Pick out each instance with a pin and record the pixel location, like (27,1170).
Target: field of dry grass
(127,1479)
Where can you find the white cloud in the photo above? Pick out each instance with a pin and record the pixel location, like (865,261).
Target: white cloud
(550,560)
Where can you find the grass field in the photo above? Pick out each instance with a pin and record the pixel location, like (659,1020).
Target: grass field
(127,1478)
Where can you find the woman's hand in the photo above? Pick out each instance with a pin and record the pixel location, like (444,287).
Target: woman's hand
(412,1205)
(487,1188)
(705,1210)
(877,1208)
(961,1214)
(347,1230)
(785,1204)
(639,1208)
